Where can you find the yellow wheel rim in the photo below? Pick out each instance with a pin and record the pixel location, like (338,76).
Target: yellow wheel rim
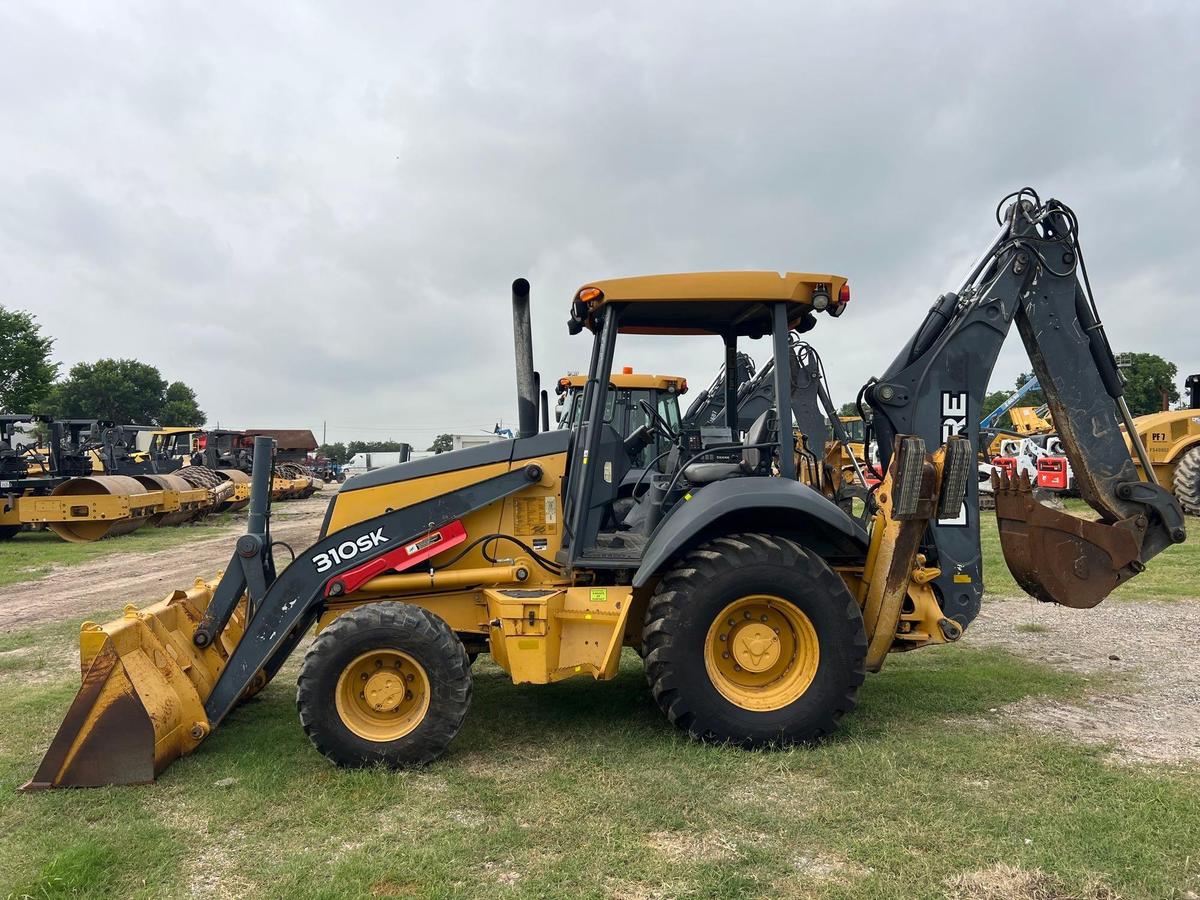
(761,653)
(382,695)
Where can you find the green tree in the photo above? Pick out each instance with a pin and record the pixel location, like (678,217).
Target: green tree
(179,406)
(991,401)
(26,373)
(124,391)
(442,443)
(1149,382)
(335,453)
(118,390)
(355,447)
(848,409)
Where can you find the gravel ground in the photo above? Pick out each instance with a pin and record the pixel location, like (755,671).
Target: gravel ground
(113,580)
(1149,714)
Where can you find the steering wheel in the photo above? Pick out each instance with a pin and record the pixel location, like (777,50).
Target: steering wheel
(660,424)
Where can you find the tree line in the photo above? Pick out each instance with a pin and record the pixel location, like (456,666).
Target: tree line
(341,453)
(115,390)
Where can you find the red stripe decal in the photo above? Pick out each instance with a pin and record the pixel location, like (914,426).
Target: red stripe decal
(403,557)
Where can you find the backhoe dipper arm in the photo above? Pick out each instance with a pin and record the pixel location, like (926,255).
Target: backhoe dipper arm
(935,388)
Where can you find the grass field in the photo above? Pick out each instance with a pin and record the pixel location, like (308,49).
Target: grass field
(582,790)
(33,554)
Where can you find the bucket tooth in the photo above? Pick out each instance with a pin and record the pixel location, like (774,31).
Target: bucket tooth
(1058,557)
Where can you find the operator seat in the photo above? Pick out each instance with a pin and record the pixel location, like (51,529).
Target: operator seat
(752,459)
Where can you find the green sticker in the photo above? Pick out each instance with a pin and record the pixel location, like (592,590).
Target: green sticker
(599,595)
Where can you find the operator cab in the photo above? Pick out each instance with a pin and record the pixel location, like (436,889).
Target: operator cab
(603,533)
(625,405)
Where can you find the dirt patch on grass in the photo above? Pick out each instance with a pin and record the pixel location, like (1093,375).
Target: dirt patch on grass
(1152,713)
(1005,882)
(119,578)
(690,847)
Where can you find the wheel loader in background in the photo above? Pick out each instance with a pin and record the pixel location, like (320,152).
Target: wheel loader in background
(757,603)
(1172,441)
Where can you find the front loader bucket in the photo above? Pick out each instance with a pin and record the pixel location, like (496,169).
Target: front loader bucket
(1058,557)
(141,704)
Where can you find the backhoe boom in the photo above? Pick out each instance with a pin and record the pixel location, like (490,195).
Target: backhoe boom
(935,388)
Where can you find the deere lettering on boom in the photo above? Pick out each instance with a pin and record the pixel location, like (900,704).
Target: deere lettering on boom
(757,603)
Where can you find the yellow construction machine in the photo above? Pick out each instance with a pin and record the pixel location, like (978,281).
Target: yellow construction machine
(758,604)
(1172,441)
(89,483)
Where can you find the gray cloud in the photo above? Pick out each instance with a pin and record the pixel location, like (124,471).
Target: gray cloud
(314,214)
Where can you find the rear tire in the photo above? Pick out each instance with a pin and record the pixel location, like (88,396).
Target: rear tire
(764,584)
(8,532)
(1187,482)
(385,684)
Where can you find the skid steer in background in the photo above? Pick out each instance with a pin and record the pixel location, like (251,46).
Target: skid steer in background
(757,603)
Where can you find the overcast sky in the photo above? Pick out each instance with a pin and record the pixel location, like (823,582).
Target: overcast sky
(313,212)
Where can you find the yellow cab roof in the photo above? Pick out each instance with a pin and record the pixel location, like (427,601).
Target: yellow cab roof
(630,380)
(707,302)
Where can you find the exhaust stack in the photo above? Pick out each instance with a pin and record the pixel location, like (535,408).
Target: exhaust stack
(527,403)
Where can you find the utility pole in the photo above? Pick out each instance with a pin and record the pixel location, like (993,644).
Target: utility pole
(323,441)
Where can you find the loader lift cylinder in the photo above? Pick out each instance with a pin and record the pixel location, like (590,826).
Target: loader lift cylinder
(523,346)
(260,486)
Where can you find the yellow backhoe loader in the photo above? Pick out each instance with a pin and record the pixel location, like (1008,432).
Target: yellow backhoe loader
(757,603)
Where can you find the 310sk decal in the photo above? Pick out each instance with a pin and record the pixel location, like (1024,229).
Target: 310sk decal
(347,550)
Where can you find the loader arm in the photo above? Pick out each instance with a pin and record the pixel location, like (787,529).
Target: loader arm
(1032,272)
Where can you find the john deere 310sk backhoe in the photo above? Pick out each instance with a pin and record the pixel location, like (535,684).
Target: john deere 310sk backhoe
(757,603)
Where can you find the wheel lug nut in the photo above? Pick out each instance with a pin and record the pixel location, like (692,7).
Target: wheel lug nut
(408,695)
(409,677)
(732,622)
(747,614)
(364,676)
(764,617)
(362,696)
(724,637)
(725,655)
(379,663)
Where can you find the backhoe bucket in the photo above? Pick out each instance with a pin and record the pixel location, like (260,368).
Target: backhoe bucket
(141,704)
(1058,557)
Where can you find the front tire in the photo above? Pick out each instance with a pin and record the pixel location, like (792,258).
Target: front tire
(754,641)
(385,684)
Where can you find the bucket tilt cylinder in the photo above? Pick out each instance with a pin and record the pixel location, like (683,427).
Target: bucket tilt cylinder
(251,569)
